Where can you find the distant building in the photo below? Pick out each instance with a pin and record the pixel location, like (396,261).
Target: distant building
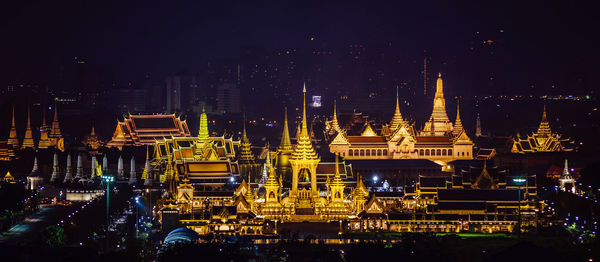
(541,141)
(139,130)
(439,141)
(228,99)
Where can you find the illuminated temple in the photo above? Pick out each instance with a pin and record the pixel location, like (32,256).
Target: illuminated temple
(543,140)
(440,140)
(141,130)
(210,192)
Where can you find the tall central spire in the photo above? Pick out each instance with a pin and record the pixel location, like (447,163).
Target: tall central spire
(334,122)
(304,125)
(12,138)
(286,143)
(397,120)
(458,127)
(28,140)
(544,128)
(439,103)
(438,123)
(203,131)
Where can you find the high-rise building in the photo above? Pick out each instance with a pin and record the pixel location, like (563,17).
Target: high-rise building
(228,99)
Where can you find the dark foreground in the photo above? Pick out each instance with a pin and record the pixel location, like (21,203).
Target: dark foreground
(406,247)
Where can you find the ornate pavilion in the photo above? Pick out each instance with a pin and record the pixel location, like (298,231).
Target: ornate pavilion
(541,141)
(440,140)
(204,193)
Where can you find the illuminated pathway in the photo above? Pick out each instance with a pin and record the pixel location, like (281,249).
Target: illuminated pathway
(30,228)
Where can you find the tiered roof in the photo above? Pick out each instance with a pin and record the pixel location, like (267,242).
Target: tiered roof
(138,130)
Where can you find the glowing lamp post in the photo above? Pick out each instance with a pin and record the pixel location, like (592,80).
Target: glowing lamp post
(519,181)
(107,180)
(137,216)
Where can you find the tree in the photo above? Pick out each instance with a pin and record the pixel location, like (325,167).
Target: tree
(54,236)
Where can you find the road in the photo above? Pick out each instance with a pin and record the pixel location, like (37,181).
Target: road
(30,229)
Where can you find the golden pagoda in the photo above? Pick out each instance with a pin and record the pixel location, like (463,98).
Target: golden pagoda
(44,142)
(438,123)
(55,135)
(92,140)
(458,127)
(28,140)
(439,141)
(397,120)
(542,141)
(9,178)
(368,131)
(13,140)
(203,133)
(304,159)
(284,151)
(246,161)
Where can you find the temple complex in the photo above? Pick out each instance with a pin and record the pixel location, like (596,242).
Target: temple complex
(140,130)
(543,140)
(209,193)
(440,140)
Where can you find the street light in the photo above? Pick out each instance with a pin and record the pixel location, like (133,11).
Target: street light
(137,216)
(107,179)
(519,181)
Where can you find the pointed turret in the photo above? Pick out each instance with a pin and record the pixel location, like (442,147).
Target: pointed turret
(203,131)
(438,123)
(566,180)
(458,127)
(120,170)
(334,123)
(13,139)
(44,139)
(28,140)
(544,128)
(68,171)
(93,167)
(368,131)
(105,164)
(55,134)
(147,175)
(35,169)
(286,143)
(284,151)
(79,174)
(337,185)
(304,155)
(478,126)
(132,177)
(271,185)
(55,169)
(397,120)
(247,161)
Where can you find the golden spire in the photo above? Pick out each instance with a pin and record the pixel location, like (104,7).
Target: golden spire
(439,103)
(304,125)
(286,143)
(438,123)
(397,120)
(544,128)
(28,140)
(337,179)
(203,131)
(247,162)
(55,131)
(368,131)
(458,127)
(334,123)
(13,139)
(145,172)
(304,148)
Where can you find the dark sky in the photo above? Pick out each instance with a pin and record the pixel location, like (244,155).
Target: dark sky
(162,37)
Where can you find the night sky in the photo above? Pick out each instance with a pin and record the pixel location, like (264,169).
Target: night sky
(548,39)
